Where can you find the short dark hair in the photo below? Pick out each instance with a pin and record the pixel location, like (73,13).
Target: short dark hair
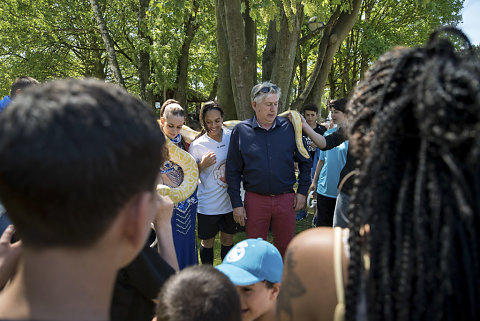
(22,82)
(199,292)
(338,104)
(311,107)
(72,153)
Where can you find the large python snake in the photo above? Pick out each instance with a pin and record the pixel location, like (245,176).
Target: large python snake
(190,167)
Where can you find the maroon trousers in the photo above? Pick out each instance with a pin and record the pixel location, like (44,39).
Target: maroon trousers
(275,209)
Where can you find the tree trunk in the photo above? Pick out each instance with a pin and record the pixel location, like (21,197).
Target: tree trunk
(302,98)
(268,55)
(190,26)
(213,92)
(364,63)
(144,54)
(111,55)
(334,33)
(331,81)
(240,71)
(285,57)
(250,42)
(224,85)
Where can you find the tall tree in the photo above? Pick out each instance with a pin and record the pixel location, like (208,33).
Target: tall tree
(224,85)
(239,32)
(190,27)
(291,20)
(337,28)
(111,54)
(381,26)
(146,93)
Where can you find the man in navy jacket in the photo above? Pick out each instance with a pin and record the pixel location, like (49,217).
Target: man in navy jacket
(262,154)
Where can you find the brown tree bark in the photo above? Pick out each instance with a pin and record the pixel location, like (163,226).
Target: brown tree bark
(337,28)
(286,51)
(335,38)
(268,55)
(240,56)
(111,55)
(144,54)
(224,85)
(190,26)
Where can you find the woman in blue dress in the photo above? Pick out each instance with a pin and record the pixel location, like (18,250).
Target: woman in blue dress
(172,118)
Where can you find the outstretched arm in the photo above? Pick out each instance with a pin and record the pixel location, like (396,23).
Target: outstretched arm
(317,139)
(234,169)
(163,230)
(9,255)
(322,142)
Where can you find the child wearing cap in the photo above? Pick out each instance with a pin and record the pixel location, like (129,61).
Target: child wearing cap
(255,266)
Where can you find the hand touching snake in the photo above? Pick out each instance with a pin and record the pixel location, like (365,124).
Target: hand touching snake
(190,168)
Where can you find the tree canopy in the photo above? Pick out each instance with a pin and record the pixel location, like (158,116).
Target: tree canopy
(196,50)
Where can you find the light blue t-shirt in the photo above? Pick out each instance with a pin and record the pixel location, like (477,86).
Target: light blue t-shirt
(335,159)
(4,102)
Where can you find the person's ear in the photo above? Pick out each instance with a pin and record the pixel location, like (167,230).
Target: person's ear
(162,120)
(254,104)
(136,222)
(274,291)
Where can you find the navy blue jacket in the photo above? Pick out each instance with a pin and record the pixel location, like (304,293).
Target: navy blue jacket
(264,160)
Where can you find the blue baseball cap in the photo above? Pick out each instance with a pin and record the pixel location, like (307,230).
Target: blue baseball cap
(251,261)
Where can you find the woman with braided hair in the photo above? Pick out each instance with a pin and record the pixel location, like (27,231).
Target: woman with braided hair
(413,238)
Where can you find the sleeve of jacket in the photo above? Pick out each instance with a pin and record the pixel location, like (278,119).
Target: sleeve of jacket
(304,173)
(234,169)
(334,139)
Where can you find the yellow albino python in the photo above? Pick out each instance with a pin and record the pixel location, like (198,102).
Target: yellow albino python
(190,168)
(190,174)
(297,126)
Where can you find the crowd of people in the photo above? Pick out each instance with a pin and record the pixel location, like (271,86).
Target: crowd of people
(395,175)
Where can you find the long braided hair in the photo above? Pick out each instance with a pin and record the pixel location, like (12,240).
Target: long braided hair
(415,128)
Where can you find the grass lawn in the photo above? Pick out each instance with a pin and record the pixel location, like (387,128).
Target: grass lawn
(300,226)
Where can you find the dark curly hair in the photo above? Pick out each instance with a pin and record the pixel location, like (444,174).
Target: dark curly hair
(415,128)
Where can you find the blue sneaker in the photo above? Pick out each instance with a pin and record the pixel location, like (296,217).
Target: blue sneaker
(301,215)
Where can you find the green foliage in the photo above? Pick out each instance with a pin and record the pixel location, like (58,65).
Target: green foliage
(42,39)
(168,34)
(383,25)
(49,39)
(264,11)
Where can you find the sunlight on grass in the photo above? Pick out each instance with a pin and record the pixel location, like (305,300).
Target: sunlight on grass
(300,226)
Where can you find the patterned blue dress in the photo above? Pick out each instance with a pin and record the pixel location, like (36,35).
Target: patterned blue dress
(183,217)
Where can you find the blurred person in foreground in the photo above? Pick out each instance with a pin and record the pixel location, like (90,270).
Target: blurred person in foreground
(78,172)
(411,250)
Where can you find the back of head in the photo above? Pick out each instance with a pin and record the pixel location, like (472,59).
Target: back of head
(198,293)
(171,107)
(21,83)
(72,153)
(416,126)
